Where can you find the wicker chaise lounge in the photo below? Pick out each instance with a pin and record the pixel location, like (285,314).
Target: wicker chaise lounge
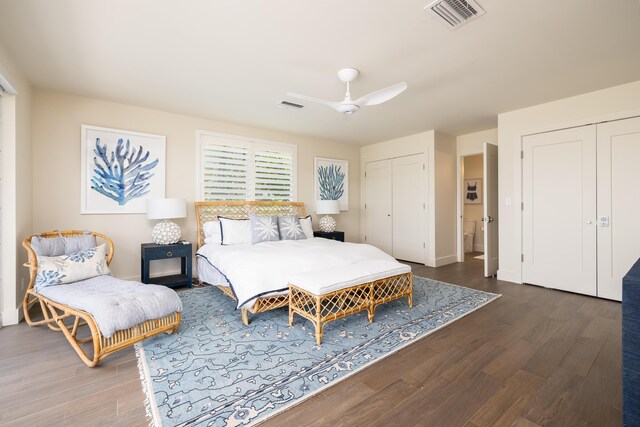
(55,313)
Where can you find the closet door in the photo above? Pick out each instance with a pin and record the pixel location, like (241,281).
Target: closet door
(409,208)
(378,204)
(559,213)
(618,203)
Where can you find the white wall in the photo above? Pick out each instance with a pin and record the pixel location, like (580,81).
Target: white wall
(608,104)
(440,149)
(56,137)
(16,187)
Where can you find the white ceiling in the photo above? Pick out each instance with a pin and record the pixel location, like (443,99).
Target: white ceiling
(234,60)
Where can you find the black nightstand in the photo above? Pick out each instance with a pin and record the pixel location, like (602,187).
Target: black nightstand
(333,235)
(153,251)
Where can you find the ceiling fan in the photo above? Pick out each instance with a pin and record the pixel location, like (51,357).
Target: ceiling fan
(348,106)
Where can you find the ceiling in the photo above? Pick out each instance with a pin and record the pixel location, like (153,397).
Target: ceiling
(234,60)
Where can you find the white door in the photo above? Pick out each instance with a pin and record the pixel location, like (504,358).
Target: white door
(378,204)
(490,191)
(409,208)
(559,213)
(618,203)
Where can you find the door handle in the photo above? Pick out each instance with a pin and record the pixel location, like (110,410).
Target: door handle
(487,219)
(589,222)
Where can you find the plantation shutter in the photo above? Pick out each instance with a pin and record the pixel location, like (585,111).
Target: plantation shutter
(236,169)
(224,171)
(273,174)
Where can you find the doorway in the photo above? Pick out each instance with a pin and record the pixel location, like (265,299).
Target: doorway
(472,209)
(478,208)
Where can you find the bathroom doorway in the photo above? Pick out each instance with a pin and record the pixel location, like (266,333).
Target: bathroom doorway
(478,208)
(472,209)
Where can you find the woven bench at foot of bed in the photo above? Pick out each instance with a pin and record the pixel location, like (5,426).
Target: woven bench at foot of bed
(261,305)
(322,309)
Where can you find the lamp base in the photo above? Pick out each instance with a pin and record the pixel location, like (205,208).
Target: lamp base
(327,224)
(166,233)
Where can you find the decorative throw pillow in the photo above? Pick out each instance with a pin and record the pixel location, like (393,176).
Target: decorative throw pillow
(290,228)
(264,228)
(212,232)
(47,246)
(79,243)
(307,229)
(71,268)
(235,231)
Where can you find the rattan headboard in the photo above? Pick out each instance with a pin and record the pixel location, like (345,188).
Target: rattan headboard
(209,211)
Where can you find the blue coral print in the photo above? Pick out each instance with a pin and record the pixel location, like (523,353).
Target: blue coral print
(82,256)
(124,173)
(331,182)
(48,278)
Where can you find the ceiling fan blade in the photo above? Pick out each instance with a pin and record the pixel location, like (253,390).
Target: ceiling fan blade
(311,99)
(382,95)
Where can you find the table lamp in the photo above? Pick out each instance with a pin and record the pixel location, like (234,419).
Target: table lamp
(166,232)
(326,208)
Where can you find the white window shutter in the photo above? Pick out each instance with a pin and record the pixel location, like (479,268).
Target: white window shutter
(236,169)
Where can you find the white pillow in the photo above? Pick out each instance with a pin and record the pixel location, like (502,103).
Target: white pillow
(212,232)
(307,229)
(63,269)
(235,231)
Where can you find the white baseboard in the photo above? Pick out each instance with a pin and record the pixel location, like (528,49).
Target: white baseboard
(445,260)
(478,248)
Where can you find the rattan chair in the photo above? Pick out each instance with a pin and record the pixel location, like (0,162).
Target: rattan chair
(54,314)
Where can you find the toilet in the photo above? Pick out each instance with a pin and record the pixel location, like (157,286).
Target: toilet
(469,233)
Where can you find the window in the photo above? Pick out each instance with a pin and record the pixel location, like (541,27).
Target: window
(236,168)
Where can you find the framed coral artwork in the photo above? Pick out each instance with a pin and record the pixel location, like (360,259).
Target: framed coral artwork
(331,180)
(120,170)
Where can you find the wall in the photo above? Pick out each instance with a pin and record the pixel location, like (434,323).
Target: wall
(16,187)
(56,137)
(440,149)
(444,164)
(607,104)
(473,168)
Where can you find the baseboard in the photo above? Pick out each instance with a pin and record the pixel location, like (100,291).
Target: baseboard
(445,260)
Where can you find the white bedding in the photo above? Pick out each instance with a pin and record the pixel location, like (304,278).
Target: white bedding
(266,268)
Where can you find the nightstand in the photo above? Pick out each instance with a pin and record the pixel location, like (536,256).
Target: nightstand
(333,235)
(153,251)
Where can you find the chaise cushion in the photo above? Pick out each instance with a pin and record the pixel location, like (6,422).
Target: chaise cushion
(116,304)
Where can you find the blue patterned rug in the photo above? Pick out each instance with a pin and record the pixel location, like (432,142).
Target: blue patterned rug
(217,372)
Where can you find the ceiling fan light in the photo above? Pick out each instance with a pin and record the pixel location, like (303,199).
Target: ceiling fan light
(347,108)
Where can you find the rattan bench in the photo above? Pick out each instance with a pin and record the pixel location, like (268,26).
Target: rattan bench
(345,298)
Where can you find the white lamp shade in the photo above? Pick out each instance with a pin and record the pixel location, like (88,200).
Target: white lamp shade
(327,207)
(166,208)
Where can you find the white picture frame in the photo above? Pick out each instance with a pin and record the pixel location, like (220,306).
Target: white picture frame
(104,188)
(336,168)
(473,191)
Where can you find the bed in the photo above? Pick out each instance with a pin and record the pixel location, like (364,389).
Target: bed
(257,276)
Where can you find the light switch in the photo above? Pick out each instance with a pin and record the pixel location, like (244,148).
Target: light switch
(507,201)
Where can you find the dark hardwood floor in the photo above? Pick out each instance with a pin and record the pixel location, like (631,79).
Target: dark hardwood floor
(533,357)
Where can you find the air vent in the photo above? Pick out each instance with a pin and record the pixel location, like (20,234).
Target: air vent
(291,105)
(454,13)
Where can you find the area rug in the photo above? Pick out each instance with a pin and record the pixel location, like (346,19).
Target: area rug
(217,372)
(479,256)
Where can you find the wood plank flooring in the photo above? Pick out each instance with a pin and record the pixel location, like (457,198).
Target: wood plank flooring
(533,357)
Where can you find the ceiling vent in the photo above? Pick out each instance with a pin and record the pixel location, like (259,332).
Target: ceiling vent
(291,105)
(454,13)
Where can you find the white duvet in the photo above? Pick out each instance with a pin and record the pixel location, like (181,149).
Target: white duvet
(266,268)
